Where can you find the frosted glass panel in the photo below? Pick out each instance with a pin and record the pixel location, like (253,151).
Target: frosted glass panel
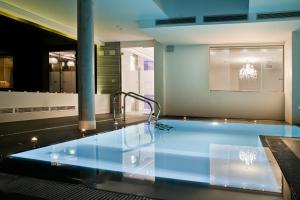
(62,75)
(6,71)
(246,68)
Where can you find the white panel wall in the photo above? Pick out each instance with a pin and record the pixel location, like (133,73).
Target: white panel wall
(288,79)
(187,90)
(295,76)
(159,76)
(30,99)
(138,81)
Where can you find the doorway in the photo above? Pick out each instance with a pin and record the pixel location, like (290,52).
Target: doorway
(62,72)
(138,76)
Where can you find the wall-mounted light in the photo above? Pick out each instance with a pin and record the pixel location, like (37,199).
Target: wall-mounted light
(71,63)
(53,60)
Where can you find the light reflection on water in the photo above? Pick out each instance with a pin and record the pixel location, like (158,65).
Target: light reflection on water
(223,154)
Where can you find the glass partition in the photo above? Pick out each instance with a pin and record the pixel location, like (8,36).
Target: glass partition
(6,72)
(246,68)
(62,75)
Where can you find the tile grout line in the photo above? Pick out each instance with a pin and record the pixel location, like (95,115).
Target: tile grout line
(55,127)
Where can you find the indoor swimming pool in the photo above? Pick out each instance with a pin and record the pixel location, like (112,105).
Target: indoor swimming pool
(211,153)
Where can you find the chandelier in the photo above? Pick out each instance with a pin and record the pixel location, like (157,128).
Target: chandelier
(247,156)
(248,72)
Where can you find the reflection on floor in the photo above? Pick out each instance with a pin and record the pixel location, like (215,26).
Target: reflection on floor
(244,167)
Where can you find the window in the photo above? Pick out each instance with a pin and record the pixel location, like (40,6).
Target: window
(62,74)
(6,71)
(133,62)
(246,68)
(148,65)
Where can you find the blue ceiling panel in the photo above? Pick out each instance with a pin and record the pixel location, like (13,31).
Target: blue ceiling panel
(186,8)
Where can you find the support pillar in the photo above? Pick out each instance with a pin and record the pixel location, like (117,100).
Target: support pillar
(86,66)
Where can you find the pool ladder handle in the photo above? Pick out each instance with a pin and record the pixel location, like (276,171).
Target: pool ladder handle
(135,97)
(140,96)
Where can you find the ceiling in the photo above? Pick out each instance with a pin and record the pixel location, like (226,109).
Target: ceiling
(147,52)
(262,32)
(117,20)
(273,5)
(188,8)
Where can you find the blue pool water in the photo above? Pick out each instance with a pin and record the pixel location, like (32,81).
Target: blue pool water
(214,153)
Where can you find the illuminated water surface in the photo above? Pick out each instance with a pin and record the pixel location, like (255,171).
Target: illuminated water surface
(220,154)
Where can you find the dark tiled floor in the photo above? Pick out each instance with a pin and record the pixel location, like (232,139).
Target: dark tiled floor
(16,136)
(285,151)
(36,189)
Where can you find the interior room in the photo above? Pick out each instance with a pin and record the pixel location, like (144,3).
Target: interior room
(150,100)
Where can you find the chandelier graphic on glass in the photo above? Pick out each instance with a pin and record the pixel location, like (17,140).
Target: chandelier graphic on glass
(248,72)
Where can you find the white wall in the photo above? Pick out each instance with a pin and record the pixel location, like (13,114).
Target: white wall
(295,76)
(133,80)
(159,76)
(288,79)
(31,99)
(184,89)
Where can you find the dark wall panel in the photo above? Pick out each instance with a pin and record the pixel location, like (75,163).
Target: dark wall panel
(30,45)
(109,69)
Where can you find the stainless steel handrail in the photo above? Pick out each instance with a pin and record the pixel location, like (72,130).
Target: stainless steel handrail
(132,148)
(138,95)
(135,97)
(114,105)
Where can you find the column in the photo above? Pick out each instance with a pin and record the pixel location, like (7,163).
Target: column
(86,67)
